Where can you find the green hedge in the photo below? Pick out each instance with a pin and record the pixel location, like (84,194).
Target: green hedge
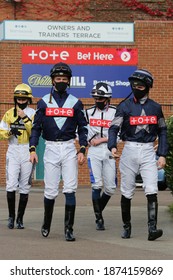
(169,158)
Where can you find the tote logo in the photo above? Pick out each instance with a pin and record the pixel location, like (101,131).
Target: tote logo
(84,56)
(100,123)
(59,112)
(45,55)
(141,120)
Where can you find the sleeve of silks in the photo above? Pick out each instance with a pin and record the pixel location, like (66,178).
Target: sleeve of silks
(163,147)
(5,127)
(36,127)
(113,132)
(82,125)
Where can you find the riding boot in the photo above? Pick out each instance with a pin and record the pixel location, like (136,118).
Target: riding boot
(11,197)
(98,214)
(126,216)
(153,232)
(104,201)
(48,212)
(21,210)
(69,221)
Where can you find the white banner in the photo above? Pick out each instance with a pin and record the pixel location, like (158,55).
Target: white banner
(67,31)
(92,269)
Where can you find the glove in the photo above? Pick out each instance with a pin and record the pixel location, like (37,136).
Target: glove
(14,131)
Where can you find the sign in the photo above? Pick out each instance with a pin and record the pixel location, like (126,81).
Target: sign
(83,80)
(79,55)
(106,32)
(89,66)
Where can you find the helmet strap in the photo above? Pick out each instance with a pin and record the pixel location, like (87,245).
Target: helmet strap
(50,98)
(15,109)
(15,112)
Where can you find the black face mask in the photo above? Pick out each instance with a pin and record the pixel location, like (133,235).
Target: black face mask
(140,93)
(100,105)
(61,87)
(23,105)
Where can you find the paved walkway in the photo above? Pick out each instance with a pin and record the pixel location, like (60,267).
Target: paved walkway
(28,244)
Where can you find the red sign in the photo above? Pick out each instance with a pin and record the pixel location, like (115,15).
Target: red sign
(100,123)
(141,120)
(76,55)
(62,112)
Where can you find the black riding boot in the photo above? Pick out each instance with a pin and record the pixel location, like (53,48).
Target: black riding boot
(153,232)
(104,201)
(11,197)
(126,216)
(48,212)
(69,221)
(21,210)
(98,214)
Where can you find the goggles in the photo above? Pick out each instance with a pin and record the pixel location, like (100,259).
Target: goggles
(21,92)
(61,70)
(97,92)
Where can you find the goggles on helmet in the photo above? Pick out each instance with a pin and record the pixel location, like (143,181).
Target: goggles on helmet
(61,70)
(100,94)
(143,76)
(21,92)
(97,91)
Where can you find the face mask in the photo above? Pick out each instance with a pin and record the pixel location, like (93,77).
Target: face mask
(61,87)
(100,105)
(23,105)
(140,93)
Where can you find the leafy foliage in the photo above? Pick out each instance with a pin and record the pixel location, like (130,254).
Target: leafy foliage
(169,158)
(170,209)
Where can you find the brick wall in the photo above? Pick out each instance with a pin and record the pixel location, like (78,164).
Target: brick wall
(153,39)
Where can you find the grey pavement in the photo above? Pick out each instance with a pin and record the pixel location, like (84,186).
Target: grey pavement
(28,244)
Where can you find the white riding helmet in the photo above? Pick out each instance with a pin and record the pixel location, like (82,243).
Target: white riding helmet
(102,90)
